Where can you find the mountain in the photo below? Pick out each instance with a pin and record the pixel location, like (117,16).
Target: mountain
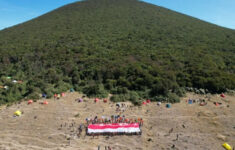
(128,48)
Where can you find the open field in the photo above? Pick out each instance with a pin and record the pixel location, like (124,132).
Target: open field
(197,127)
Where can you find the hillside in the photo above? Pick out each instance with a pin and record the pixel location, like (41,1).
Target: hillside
(125,47)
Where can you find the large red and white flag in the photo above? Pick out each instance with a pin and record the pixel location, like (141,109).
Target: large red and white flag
(114,128)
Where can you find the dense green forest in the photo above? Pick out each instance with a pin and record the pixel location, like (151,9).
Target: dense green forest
(129,48)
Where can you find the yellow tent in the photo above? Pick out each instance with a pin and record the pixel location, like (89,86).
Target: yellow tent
(227,146)
(18,113)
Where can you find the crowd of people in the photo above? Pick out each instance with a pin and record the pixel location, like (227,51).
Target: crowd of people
(114,119)
(106,148)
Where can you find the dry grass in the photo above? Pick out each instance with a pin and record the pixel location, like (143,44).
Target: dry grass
(197,127)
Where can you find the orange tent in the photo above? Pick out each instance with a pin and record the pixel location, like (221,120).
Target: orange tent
(20,81)
(30,101)
(96,99)
(62,94)
(45,102)
(222,95)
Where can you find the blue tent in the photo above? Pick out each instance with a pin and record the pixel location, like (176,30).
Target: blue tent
(71,90)
(168,105)
(190,101)
(44,95)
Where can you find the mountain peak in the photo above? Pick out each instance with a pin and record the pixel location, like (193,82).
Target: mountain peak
(124,47)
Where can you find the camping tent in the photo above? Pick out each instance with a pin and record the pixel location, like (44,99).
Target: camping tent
(17,113)
(168,105)
(62,94)
(148,101)
(30,101)
(96,99)
(44,95)
(222,95)
(118,104)
(45,102)
(227,146)
(14,81)
(144,103)
(190,101)
(105,100)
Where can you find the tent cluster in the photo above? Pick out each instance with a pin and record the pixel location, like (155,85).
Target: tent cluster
(43,103)
(29,102)
(58,96)
(97,100)
(201,102)
(146,102)
(17,81)
(13,81)
(217,103)
(4,87)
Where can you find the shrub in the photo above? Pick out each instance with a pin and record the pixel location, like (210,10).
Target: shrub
(34,96)
(120,97)
(173,98)
(133,96)
(96,90)
(180,92)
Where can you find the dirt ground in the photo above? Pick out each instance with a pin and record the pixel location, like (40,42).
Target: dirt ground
(182,127)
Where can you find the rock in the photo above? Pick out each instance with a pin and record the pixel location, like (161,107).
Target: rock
(190,89)
(221,137)
(202,91)
(149,140)
(171,130)
(197,91)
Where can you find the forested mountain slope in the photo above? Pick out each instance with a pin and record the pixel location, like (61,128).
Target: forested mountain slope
(123,47)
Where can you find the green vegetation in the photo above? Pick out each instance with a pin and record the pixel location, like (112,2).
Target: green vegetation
(128,48)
